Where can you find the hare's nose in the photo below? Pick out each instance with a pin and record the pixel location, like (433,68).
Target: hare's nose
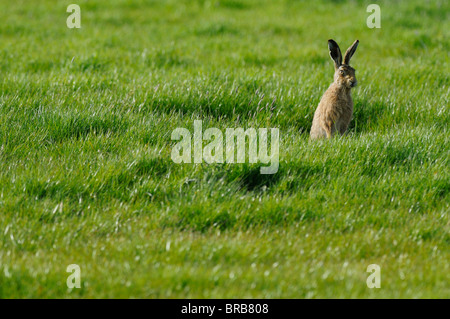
(353,83)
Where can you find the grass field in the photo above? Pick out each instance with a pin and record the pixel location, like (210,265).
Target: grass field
(86,175)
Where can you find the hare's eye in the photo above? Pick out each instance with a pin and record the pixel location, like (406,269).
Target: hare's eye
(341,72)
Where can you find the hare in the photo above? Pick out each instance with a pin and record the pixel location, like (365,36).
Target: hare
(335,109)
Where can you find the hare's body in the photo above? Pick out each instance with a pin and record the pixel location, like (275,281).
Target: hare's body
(335,110)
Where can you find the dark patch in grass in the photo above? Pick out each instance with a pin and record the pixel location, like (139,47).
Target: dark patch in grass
(282,30)
(402,155)
(58,190)
(252,179)
(113,42)
(203,218)
(117,185)
(4,65)
(261,60)
(366,115)
(315,59)
(216,30)
(92,63)
(407,23)
(245,99)
(249,177)
(120,184)
(167,59)
(279,215)
(217,108)
(117,21)
(233,4)
(383,157)
(153,166)
(422,41)
(40,66)
(222,221)
(138,5)
(14,30)
(441,188)
(195,218)
(60,127)
(430,234)
(39,189)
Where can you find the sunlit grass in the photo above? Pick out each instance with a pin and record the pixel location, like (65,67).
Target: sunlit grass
(86,175)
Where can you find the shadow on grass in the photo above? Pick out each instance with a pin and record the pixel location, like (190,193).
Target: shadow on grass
(63,127)
(366,115)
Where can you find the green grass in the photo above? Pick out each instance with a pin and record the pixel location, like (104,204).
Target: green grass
(86,175)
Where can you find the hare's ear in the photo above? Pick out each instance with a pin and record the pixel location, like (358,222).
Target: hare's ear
(335,53)
(350,51)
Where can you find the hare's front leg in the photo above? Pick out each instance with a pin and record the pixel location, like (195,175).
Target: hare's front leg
(329,127)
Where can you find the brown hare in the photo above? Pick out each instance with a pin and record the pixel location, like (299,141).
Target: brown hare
(335,109)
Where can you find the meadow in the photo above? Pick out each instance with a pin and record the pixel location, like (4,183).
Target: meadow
(86,175)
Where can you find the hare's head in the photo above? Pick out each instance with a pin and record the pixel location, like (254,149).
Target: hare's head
(344,74)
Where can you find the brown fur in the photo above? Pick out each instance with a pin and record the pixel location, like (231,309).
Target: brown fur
(335,109)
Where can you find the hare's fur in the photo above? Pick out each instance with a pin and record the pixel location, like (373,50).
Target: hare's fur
(335,109)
